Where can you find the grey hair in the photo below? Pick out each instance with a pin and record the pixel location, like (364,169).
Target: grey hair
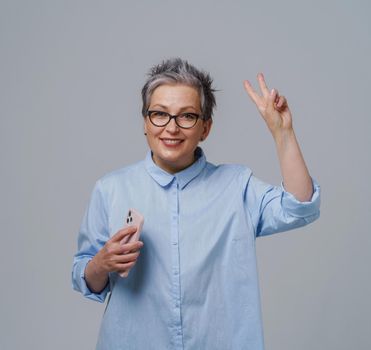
(179,71)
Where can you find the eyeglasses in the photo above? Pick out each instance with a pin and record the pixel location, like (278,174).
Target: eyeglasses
(183,120)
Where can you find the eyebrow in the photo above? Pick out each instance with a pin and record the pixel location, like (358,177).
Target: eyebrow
(181,109)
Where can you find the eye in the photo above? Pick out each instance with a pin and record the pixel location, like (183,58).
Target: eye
(158,114)
(188,116)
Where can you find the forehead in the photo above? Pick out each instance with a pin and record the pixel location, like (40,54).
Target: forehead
(177,95)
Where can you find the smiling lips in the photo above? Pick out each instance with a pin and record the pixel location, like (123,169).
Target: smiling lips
(171,142)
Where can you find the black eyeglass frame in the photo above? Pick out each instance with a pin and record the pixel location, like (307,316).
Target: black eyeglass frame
(175,116)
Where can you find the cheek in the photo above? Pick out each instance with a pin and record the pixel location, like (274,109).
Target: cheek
(153,134)
(148,128)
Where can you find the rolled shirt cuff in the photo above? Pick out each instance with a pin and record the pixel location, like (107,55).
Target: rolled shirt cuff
(79,282)
(300,209)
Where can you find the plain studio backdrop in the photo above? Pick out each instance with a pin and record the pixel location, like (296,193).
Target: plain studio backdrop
(70,79)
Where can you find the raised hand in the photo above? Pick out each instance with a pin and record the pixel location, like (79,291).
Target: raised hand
(276,113)
(273,107)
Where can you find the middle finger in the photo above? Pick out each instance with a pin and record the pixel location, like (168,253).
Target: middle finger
(127,257)
(263,85)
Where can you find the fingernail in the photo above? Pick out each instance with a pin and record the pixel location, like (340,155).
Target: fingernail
(272,91)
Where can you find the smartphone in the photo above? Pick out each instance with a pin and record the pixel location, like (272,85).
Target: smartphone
(133,218)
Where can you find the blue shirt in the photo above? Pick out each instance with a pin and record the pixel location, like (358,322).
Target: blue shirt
(195,283)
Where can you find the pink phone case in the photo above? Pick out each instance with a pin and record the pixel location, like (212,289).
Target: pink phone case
(133,218)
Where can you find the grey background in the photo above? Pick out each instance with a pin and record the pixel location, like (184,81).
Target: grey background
(70,80)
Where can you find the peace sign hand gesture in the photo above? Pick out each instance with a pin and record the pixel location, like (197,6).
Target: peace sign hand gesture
(273,107)
(276,113)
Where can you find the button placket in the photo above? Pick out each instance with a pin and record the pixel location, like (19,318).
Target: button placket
(177,335)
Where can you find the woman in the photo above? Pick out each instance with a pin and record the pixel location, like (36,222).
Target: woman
(194,284)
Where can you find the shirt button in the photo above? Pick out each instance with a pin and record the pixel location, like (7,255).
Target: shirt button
(174,217)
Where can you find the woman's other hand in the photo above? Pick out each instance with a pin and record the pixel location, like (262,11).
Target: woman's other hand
(118,257)
(113,257)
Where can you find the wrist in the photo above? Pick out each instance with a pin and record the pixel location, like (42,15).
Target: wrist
(284,137)
(95,278)
(97,266)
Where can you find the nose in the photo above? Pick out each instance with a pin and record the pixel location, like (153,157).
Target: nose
(172,127)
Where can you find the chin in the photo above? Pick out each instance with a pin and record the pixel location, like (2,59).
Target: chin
(172,160)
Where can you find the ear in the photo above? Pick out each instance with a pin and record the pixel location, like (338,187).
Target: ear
(207,124)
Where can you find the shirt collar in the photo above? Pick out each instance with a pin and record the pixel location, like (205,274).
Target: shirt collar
(183,177)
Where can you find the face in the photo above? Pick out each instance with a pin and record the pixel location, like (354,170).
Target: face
(173,147)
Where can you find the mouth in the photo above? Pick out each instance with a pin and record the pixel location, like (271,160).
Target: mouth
(171,142)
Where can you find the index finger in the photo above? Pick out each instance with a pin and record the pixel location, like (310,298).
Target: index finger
(132,246)
(119,235)
(250,90)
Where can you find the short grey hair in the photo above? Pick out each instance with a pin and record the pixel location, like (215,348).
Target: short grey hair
(179,71)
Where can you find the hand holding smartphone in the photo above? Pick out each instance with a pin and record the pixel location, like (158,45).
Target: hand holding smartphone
(133,218)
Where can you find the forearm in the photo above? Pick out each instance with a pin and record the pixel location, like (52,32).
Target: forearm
(96,278)
(296,178)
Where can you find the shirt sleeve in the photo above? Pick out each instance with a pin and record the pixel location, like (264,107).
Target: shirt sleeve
(92,236)
(273,209)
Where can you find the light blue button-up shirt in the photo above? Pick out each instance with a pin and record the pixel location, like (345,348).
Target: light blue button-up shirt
(195,283)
